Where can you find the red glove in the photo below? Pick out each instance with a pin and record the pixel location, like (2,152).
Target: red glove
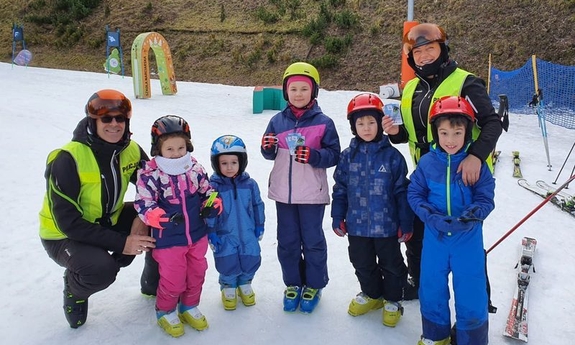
(403,237)
(339,227)
(156,217)
(269,141)
(302,154)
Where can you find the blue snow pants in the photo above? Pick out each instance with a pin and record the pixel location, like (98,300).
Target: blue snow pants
(302,249)
(461,254)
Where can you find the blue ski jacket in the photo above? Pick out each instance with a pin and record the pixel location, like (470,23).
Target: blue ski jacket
(370,191)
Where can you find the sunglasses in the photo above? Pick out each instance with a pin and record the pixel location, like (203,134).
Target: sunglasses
(108,119)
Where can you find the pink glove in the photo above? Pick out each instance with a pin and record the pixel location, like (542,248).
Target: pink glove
(155,217)
(212,208)
(403,237)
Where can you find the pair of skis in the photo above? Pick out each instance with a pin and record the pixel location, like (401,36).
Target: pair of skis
(517,327)
(562,199)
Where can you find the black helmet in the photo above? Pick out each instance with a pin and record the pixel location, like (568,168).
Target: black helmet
(170,124)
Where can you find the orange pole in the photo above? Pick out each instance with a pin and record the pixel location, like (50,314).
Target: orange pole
(407,72)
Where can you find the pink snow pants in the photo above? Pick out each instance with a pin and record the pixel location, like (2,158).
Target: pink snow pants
(182,274)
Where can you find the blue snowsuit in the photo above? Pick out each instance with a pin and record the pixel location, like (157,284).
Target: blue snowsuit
(239,257)
(436,193)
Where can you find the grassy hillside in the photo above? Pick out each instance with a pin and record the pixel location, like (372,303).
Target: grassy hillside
(355,43)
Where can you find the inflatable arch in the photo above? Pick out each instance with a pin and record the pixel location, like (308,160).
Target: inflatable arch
(141,64)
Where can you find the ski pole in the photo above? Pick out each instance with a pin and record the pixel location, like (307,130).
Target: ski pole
(563,166)
(547,199)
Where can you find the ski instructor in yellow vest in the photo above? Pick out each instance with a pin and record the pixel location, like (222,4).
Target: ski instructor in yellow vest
(85,225)
(437,75)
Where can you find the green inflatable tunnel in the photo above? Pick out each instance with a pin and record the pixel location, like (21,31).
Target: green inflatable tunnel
(268,97)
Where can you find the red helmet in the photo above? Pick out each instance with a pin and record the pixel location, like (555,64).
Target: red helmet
(451,105)
(364,101)
(423,34)
(108,101)
(448,107)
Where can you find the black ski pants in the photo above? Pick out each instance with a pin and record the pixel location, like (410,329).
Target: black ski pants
(90,268)
(379,266)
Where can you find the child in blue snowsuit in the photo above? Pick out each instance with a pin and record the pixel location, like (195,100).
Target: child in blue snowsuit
(453,214)
(370,205)
(303,142)
(234,234)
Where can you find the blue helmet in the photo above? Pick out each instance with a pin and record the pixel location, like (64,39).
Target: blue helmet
(228,145)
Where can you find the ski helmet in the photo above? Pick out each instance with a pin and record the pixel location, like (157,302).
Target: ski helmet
(365,104)
(170,124)
(421,35)
(108,102)
(228,145)
(448,107)
(305,69)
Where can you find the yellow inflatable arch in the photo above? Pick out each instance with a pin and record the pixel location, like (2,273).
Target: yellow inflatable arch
(141,64)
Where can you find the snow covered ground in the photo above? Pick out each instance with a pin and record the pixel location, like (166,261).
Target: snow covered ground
(39,109)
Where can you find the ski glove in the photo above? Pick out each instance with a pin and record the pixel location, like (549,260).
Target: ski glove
(259,232)
(471,215)
(269,142)
(403,237)
(440,223)
(339,227)
(212,207)
(448,224)
(158,219)
(303,154)
(215,242)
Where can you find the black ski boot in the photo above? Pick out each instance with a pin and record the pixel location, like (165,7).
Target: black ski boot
(150,276)
(75,309)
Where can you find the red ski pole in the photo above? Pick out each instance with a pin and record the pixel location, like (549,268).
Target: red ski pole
(547,199)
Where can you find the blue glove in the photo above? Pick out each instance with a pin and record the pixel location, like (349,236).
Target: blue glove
(215,242)
(459,226)
(471,215)
(441,223)
(339,227)
(259,232)
(448,224)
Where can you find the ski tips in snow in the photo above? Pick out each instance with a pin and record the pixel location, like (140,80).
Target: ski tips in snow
(516,165)
(517,327)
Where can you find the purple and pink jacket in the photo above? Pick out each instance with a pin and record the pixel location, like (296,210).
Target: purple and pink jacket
(291,182)
(181,194)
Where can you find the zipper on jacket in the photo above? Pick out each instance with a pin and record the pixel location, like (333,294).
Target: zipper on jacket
(448,185)
(291,167)
(183,183)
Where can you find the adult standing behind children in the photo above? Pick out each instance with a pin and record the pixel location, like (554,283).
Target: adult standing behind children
(370,206)
(171,196)
(453,215)
(303,142)
(436,76)
(234,235)
(85,225)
